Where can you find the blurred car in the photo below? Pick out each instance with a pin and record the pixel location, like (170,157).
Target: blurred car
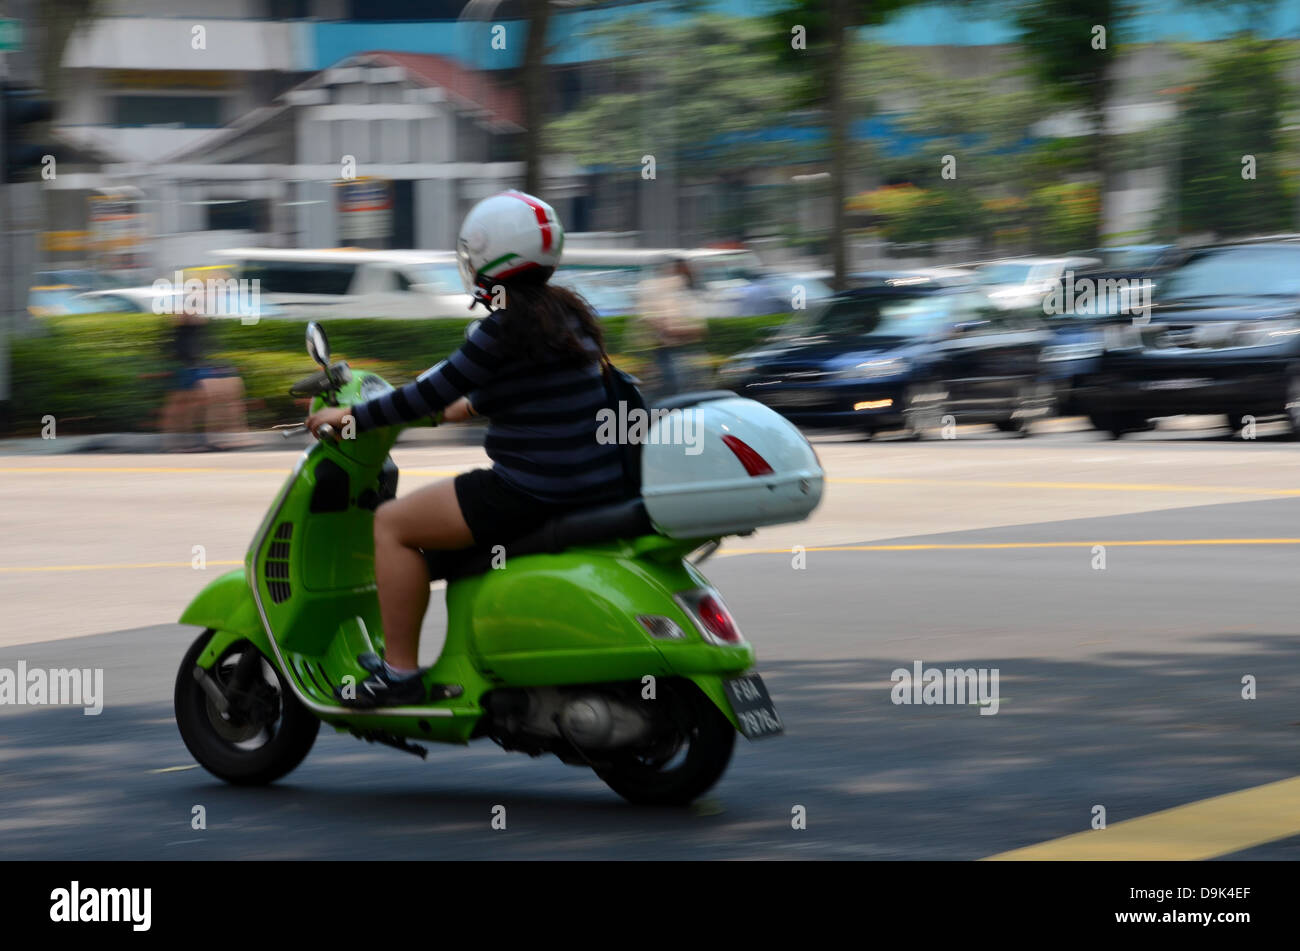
(1224,337)
(887,357)
(723,275)
(1087,305)
(350,282)
(158,300)
(1142,258)
(905,277)
(61,291)
(775,293)
(1024,282)
(611,292)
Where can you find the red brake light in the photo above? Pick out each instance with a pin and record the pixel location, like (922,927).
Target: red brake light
(717,619)
(754,464)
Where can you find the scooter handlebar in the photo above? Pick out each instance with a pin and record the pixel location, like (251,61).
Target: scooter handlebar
(325,431)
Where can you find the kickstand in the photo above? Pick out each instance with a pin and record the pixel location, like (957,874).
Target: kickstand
(394,741)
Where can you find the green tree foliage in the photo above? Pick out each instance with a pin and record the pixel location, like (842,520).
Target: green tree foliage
(814,37)
(693,93)
(1236,111)
(1071,47)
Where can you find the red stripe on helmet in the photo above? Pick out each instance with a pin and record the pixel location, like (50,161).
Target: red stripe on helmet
(514,270)
(540,211)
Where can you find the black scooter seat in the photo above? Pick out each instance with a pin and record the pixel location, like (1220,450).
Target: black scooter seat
(603,523)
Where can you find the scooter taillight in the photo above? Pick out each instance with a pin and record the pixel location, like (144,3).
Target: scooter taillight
(711,616)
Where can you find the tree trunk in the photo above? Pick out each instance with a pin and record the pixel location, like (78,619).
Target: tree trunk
(1103,152)
(534,87)
(839,121)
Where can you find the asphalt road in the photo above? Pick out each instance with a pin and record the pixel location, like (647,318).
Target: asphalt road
(1119,686)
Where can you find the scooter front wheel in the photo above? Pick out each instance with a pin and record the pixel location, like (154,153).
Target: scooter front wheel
(687,761)
(264,733)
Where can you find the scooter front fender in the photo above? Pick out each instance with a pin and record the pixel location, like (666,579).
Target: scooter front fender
(226,606)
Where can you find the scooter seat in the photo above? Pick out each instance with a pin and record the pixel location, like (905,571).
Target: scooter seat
(625,519)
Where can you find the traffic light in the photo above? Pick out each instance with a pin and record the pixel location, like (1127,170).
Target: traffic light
(20,108)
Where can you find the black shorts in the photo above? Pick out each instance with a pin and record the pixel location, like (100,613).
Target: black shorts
(495,512)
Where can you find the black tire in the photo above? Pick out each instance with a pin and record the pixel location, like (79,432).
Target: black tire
(1117,426)
(1031,397)
(709,738)
(215,741)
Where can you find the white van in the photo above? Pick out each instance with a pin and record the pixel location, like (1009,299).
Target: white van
(723,273)
(352,282)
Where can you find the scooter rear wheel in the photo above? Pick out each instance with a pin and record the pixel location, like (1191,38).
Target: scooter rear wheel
(250,750)
(694,756)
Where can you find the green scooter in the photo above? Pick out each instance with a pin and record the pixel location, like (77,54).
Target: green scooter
(597,639)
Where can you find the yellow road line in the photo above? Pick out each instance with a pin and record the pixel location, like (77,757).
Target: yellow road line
(1199,830)
(987,546)
(174,769)
(1077,486)
(973,546)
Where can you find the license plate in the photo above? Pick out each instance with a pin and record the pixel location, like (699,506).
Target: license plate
(753,707)
(794,398)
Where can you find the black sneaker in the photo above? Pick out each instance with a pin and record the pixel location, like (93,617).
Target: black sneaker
(383,688)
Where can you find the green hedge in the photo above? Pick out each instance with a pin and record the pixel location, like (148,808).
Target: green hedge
(102,372)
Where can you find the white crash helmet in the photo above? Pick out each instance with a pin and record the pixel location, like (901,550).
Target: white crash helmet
(508,235)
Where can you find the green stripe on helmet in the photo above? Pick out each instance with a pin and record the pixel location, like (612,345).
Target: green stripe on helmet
(491,264)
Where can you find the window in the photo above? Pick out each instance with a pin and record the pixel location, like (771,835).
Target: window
(1003,273)
(848,317)
(919,317)
(187,112)
(1236,271)
(300,277)
(440,278)
(236,214)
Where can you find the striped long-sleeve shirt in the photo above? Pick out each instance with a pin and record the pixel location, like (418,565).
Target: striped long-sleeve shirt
(542,417)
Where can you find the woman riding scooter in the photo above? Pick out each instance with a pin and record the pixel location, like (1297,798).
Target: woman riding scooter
(534,368)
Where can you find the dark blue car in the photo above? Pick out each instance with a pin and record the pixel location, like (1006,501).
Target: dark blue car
(1222,337)
(911,357)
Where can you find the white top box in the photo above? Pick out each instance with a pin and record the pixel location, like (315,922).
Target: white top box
(726,467)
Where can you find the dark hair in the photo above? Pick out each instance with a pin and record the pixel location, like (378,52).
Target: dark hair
(545,321)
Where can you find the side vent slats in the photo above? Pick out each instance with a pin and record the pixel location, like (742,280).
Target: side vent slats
(275,570)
